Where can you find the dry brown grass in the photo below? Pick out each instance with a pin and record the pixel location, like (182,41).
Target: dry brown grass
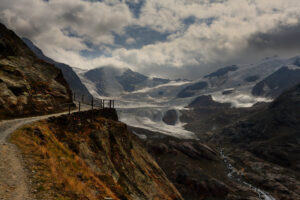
(82,157)
(58,170)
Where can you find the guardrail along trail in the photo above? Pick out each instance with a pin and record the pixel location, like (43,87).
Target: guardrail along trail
(13,181)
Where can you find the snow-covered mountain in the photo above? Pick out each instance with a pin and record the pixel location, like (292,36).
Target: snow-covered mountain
(113,82)
(244,85)
(143,102)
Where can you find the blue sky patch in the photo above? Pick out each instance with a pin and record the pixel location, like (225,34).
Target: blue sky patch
(141,35)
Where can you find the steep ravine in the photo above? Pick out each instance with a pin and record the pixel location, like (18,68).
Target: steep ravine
(234,174)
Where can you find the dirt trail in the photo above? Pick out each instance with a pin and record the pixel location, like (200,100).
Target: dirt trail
(13,181)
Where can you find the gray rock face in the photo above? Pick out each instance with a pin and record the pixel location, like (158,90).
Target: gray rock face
(104,80)
(130,79)
(170,117)
(276,83)
(205,101)
(222,71)
(189,91)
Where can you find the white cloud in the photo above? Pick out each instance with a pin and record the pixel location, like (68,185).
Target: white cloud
(232,24)
(130,40)
(44,22)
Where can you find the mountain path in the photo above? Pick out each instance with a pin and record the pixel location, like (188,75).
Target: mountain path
(13,179)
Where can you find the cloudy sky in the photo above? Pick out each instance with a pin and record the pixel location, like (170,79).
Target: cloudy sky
(175,38)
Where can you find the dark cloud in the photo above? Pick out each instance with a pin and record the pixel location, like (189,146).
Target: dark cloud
(283,38)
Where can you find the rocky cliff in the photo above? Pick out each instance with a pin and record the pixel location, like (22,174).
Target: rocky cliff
(28,86)
(266,146)
(90,155)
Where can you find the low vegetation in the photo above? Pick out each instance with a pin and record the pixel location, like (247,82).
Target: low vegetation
(56,171)
(89,157)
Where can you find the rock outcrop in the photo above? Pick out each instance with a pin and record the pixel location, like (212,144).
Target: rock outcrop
(28,86)
(170,117)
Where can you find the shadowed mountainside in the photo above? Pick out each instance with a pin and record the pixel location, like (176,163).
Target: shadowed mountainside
(111,81)
(70,76)
(281,80)
(206,116)
(28,85)
(196,169)
(267,144)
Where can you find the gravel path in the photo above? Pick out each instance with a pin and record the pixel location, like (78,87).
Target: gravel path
(13,181)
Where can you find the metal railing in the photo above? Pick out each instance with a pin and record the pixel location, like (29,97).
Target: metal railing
(93,102)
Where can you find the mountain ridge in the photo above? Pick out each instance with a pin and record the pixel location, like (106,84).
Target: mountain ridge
(112,81)
(68,72)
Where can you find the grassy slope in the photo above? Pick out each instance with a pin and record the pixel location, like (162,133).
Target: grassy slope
(56,171)
(80,158)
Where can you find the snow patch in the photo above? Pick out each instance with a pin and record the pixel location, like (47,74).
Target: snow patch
(151,119)
(239,99)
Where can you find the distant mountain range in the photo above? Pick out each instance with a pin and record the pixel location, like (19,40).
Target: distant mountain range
(264,80)
(268,79)
(71,77)
(111,81)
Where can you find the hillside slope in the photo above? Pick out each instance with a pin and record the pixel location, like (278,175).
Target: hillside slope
(267,145)
(196,169)
(281,80)
(90,156)
(28,86)
(70,76)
